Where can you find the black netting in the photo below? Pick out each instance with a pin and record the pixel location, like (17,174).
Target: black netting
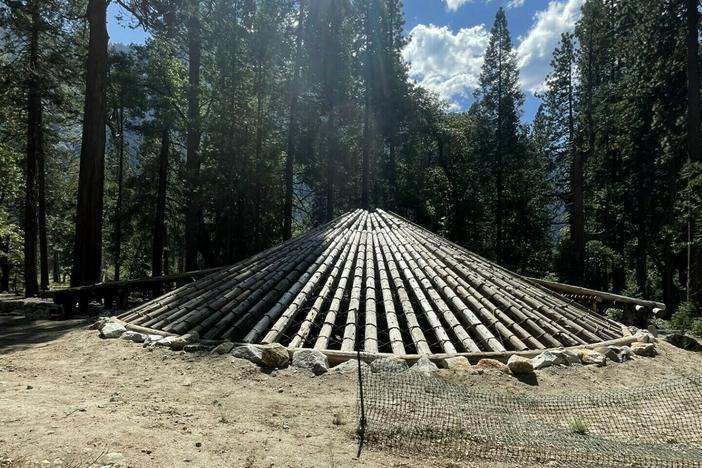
(655,426)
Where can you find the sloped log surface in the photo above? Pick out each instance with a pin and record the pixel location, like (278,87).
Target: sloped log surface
(374,282)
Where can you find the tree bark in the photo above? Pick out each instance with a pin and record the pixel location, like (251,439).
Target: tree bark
(56,268)
(392,172)
(159,232)
(120,184)
(499,168)
(5,265)
(581,156)
(331,166)
(693,81)
(577,218)
(366,144)
(694,253)
(292,128)
(331,95)
(87,254)
(31,287)
(192,162)
(43,242)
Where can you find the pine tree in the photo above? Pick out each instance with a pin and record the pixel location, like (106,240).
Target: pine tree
(87,253)
(500,101)
(560,102)
(293,124)
(694,253)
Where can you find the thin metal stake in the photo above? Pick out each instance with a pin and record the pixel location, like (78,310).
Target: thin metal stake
(362,423)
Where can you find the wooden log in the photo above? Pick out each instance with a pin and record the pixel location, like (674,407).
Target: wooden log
(325,331)
(348,342)
(412,273)
(370,344)
(566,321)
(435,269)
(323,297)
(563,288)
(327,264)
(490,297)
(338,237)
(415,330)
(394,333)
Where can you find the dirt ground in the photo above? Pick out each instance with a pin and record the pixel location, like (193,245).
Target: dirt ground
(68,398)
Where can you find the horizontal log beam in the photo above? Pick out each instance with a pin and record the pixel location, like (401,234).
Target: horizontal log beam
(337,357)
(563,288)
(128,284)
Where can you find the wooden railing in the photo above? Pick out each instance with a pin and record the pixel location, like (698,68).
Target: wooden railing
(117,293)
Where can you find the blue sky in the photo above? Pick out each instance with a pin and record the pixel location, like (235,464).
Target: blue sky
(448,38)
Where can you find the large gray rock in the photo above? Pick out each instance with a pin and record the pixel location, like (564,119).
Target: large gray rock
(645,337)
(275,356)
(547,359)
(457,363)
(618,353)
(350,367)
(311,359)
(99,323)
(223,348)
(112,330)
(196,348)
(249,352)
(136,337)
(589,356)
(683,341)
(492,364)
(179,342)
(644,349)
(568,356)
(390,364)
(151,340)
(424,365)
(520,365)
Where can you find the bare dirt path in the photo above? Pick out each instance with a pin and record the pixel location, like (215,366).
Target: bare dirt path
(72,399)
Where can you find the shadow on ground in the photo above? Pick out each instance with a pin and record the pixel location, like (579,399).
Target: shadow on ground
(18,333)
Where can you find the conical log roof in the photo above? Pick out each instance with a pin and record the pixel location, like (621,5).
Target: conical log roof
(374,282)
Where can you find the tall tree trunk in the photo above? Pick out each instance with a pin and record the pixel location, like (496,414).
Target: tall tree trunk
(499,168)
(43,242)
(159,232)
(258,164)
(87,253)
(392,171)
(582,155)
(331,165)
(694,255)
(366,144)
(56,267)
(166,253)
(667,273)
(31,287)
(5,265)
(292,128)
(577,218)
(192,163)
(120,185)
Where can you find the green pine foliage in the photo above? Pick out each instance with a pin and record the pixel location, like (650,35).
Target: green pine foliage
(596,191)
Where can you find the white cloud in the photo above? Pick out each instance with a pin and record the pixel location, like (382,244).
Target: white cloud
(449,63)
(515,4)
(453,5)
(536,48)
(445,62)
